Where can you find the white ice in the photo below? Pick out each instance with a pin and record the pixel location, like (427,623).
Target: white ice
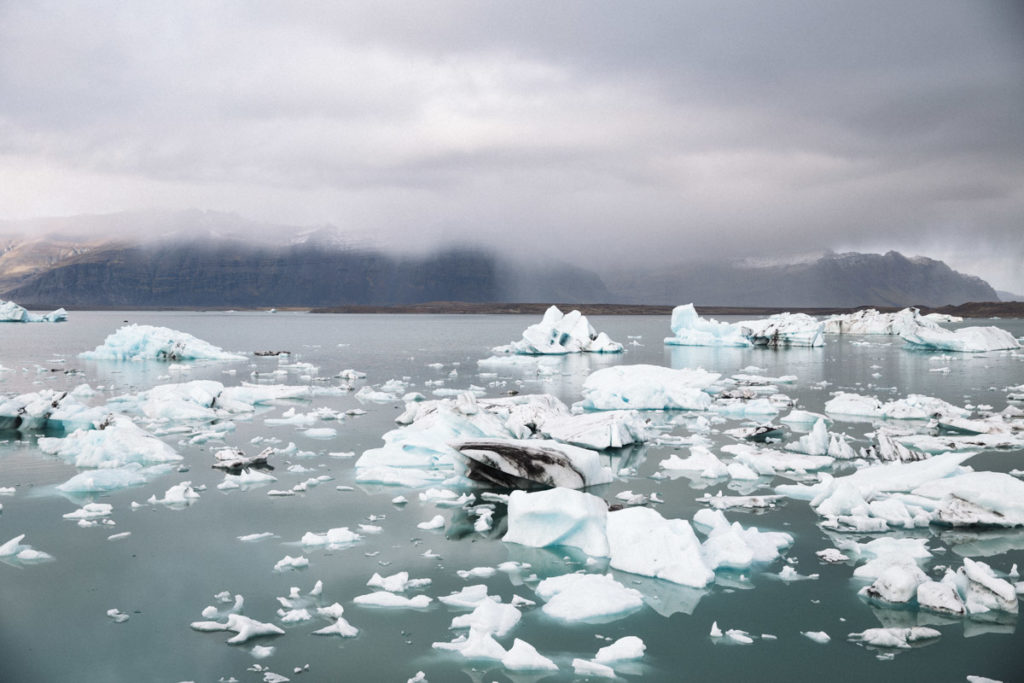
(647,387)
(11,312)
(558,334)
(524,657)
(558,517)
(148,342)
(386,599)
(643,542)
(783,329)
(595,598)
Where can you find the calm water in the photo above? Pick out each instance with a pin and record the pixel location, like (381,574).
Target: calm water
(53,623)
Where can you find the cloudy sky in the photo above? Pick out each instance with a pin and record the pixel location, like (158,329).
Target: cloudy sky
(645,132)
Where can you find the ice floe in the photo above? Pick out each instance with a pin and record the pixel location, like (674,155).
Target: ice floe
(592,598)
(149,342)
(558,517)
(519,463)
(647,387)
(558,334)
(964,340)
(783,329)
(11,312)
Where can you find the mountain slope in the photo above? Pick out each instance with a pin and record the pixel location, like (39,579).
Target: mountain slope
(842,280)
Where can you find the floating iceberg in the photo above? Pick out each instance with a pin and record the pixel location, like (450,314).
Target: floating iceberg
(117,442)
(11,312)
(870,321)
(647,387)
(558,334)
(783,329)
(643,542)
(964,340)
(147,342)
(524,463)
(558,517)
(49,409)
(593,598)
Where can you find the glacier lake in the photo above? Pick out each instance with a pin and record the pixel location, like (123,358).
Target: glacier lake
(115,596)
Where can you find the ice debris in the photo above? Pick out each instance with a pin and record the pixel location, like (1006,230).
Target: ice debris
(522,463)
(592,598)
(244,628)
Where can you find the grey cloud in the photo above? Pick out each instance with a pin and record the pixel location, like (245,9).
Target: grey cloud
(597,128)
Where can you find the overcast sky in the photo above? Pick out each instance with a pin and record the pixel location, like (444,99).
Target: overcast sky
(646,132)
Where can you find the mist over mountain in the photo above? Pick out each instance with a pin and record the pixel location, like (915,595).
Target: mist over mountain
(208,259)
(841,280)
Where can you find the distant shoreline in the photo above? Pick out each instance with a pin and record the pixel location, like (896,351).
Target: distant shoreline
(978,309)
(983,309)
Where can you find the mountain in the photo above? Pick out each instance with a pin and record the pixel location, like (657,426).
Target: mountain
(231,273)
(832,280)
(198,259)
(1009,296)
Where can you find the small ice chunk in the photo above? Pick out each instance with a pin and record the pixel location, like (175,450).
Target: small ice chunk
(524,657)
(627,647)
(584,667)
(117,615)
(817,636)
(467,598)
(895,637)
(243,626)
(436,522)
(558,516)
(288,563)
(386,599)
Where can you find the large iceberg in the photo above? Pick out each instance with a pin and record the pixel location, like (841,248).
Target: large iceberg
(558,517)
(558,334)
(520,463)
(11,312)
(783,329)
(148,342)
(964,340)
(647,387)
(870,321)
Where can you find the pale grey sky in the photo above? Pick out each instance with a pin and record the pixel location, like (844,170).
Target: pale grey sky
(656,131)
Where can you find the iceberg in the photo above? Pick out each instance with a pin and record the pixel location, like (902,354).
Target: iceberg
(525,463)
(524,657)
(870,321)
(11,312)
(643,542)
(559,334)
(895,637)
(148,342)
(49,409)
(782,329)
(115,443)
(592,598)
(647,387)
(964,340)
(558,517)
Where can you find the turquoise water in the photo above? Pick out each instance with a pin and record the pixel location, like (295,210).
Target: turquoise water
(53,623)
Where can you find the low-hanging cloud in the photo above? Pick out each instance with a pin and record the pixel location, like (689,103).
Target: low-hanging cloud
(600,132)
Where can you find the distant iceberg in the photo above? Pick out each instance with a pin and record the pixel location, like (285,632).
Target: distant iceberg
(147,342)
(923,331)
(782,329)
(964,340)
(871,321)
(559,334)
(11,312)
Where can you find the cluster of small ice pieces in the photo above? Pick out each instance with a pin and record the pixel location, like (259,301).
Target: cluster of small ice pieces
(904,480)
(11,312)
(783,329)
(559,334)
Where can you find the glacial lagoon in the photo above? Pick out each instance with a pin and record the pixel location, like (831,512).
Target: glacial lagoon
(163,565)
